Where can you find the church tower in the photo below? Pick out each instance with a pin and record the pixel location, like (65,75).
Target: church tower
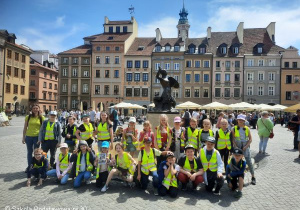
(183,24)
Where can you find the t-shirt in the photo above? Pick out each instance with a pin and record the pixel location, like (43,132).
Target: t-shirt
(82,128)
(92,115)
(264,127)
(181,162)
(195,115)
(177,167)
(82,163)
(209,154)
(143,133)
(115,114)
(164,135)
(296,118)
(156,151)
(204,135)
(34,125)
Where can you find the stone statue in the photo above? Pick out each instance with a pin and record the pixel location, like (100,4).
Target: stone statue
(165,102)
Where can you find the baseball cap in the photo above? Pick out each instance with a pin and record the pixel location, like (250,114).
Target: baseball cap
(177,119)
(241,117)
(147,139)
(53,113)
(63,145)
(82,143)
(237,151)
(105,144)
(189,146)
(132,119)
(211,139)
(85,115)
(170,154)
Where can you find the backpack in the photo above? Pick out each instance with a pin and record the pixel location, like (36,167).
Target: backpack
(186,115)
(161,173)
(112,115)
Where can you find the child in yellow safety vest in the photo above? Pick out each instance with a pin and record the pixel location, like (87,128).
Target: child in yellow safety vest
(83,160)
(147,165)
(129,138)
(242,139)
(205,132)
(124,166)
(192,135)
(146,132)
(86,130)
(212,165)
(63,165)
(224,139)
(104,131)
(50,135)
(169,183)
(38,168)
(103,164)
(177,145)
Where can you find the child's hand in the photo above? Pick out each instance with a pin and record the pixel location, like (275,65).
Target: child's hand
(75,152)
(138,177)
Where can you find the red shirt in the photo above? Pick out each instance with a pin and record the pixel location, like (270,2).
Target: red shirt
(149,133)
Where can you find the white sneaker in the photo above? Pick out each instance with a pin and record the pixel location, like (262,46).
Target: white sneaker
(104,189)
(88,182)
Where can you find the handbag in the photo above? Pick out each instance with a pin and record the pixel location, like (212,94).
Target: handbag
(271,133)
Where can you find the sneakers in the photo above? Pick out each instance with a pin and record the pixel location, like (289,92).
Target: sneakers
(155,191)
(238,194)
(217,193)
(184,187)
(253,181)
(88,182)
(104,188)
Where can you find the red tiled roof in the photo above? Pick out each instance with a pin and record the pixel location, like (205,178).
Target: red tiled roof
(83,49)
(110,37)
(147,43)
(171,41)
(19,46)
(35,63)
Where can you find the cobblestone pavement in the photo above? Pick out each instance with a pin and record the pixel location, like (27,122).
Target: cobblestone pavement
(278,183)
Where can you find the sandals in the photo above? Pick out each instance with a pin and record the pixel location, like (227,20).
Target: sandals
(28,183)
(40,183)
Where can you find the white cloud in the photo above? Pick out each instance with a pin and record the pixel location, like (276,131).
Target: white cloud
(167,26)
(60,21)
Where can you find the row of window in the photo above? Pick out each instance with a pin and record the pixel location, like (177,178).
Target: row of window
(227,94)
(16,72)
(261,62)
(75,60)
(188,64)
(117,29)
(106,90)
(289,95)
(260,90)
(187,93)
(261,76)
(227,64)
(107,60)
(196,78)
(15,89)
(201,49)
(137,77)
(289,79)
(137,64)
(167,48)
(107,74)
(167,66)
(86,73)
(107,48)
(85,88)
(136,92)
(33,72)
(33,96)
(17,56)
(287,65)
(227,77)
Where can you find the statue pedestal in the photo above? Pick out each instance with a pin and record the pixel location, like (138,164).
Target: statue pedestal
(153,117)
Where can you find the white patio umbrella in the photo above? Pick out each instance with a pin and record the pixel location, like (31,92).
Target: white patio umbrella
(152,105)
(241,106)
(188,105)
(215,105)
(135,106)
(279,107)
(121,105)
(265,107)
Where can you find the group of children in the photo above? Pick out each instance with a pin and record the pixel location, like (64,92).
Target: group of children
(170,155)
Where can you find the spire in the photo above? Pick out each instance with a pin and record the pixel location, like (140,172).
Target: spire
(183,15)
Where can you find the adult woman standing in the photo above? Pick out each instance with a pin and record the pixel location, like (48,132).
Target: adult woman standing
(221,116)
(31,131)
(264,127)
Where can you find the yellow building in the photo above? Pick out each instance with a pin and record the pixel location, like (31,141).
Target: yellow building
(15,74)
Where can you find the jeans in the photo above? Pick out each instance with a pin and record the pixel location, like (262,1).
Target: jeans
(248,161)
(31,143)
(224,153)
(52,173)
(145,180)
(115,125)
(212,181)
(50,145)
(173,191)
(263,143)
(86,175)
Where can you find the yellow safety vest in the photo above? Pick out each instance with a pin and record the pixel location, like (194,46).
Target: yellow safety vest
(88,133)
(128,163)
(170,180)
(63,162)
(37,166)
(158,136)
(103,132)
(89,166)
(49,135)
(192,137)
(212,164)
(135,143)
(98,167)
(224,140)
(211,133)
(74,132)
(237,133)
(148,162)
(141,143)
(187,165)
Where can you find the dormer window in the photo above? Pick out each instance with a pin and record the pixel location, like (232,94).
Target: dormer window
(157,48)
(111,29)
(224,50)
(176,48)
(236,50)
(192,48)
(259,50)
(110,38)
(202,49)
(141,48)
(167,48)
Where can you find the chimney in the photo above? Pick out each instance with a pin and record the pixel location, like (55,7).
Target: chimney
(240,32)
(158,35)
(271,31)
(208,32)
(106,20)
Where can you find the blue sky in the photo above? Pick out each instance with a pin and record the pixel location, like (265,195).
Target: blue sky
(58,25)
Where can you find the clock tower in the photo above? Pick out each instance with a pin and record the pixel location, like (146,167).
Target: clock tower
(183,24)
